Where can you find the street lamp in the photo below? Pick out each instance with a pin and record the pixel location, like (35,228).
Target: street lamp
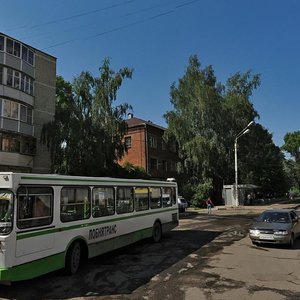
(244,131)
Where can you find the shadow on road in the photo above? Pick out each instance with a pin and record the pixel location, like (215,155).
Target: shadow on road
(119,272)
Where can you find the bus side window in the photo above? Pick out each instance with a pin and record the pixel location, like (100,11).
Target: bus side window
(74,204)
(167,197)
(35,206)
(141,198)
(174,198)
(103,201)
(155,198)
(124,200)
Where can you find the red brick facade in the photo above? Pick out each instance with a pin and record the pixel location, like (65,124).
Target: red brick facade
(147,149)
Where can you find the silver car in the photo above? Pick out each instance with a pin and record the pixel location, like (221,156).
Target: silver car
(182,204)
(276,226)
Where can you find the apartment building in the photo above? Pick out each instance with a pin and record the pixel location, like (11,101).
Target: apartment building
(147,149)
(27,101)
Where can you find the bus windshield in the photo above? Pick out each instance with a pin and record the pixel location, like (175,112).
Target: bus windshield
(6,209)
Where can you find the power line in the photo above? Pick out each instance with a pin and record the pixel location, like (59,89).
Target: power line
(139,11)
(124,26)
(73,16)
(111,30)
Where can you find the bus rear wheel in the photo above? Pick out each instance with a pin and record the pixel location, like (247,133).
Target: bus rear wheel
(156,232)
(73,258)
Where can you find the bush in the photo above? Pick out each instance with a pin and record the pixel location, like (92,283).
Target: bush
(201,192)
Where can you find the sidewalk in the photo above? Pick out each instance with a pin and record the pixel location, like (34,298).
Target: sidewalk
(294,204)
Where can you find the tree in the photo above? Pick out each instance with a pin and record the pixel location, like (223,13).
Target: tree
(292,144)
(261,162)
(205,120)
(85,137)
(196,122)
(292,166)
(55,133)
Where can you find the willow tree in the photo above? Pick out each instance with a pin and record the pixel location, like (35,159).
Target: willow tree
(196,122)
(292,167)
(205,120)
(85,137)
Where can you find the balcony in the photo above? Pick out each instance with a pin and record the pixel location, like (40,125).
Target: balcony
(16,159)
(16,126)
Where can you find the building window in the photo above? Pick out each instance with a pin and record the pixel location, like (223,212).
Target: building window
(9,144)
(163,145)
(9,77)
(29,115)
(128,142)
(153,164)
(16,80)
(26,84)
(17,48)
(1,43)
(11,109)
(152,141)
(172,166)
(30,57)
(16,143)
(24,53)
(164,165)
(13,47)
(27,55)
(28,146)
(25,114)
(19,81)
(9,46)
(173,147)
(1,75)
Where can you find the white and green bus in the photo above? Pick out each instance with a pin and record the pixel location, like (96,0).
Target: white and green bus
(50,222)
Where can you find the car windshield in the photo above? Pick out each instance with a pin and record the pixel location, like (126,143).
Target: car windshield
(182,200)
(6,209)
(274,217)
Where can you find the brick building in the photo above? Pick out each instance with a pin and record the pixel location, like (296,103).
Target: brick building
(147,149)
(27,101)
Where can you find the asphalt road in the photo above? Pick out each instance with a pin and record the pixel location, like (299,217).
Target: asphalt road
(206,257)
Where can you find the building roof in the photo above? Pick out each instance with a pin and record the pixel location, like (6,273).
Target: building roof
(27,45)
(134,122)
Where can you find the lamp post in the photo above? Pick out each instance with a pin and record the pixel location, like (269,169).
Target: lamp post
(236,191)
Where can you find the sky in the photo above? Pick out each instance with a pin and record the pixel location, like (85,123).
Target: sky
(156,39)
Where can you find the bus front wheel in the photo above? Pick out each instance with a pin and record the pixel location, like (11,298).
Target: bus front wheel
(73,258)
(157,232)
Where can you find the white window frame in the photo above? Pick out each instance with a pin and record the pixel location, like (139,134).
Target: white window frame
(14,43)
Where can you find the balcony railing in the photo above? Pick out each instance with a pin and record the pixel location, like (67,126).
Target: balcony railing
(16,126)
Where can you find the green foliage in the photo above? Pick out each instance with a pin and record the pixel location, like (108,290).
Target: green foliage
(85,137)
(292,170)
(131,171)
(292,166)
(205,120)
(292,144)
(201,192)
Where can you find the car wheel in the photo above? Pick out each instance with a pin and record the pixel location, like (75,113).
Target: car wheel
(292,241)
